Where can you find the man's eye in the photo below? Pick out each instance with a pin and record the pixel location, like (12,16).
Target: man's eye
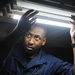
(28,35)
(37,38)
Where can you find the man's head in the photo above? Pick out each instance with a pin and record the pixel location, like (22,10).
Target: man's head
(34,39)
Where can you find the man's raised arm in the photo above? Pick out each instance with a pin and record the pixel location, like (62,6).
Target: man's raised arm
(22,27)
(72,33)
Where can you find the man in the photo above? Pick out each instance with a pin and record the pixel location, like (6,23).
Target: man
(30,59)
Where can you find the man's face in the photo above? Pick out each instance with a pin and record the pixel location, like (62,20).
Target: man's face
(34,39)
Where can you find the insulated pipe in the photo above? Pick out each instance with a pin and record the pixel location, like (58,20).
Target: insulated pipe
(4,11)
(8,8)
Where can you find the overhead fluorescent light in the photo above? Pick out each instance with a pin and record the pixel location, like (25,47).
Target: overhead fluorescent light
(47,11)
(44,14)
(59,17)
(47,22)
(54,23)
(16,17)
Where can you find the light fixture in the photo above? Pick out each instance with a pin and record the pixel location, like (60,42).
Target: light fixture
(48,22)
(16,17)
(56,16)
(55,23)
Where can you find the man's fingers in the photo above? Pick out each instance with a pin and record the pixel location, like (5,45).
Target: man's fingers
(28,12)
(73,17)
(73,26)
(72,22)
(33,23)
(33,19)
(32,14)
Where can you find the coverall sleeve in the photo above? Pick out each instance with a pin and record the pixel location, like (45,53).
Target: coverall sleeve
(61,67)
(64,68)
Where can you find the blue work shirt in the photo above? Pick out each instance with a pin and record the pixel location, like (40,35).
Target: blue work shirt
(41,64)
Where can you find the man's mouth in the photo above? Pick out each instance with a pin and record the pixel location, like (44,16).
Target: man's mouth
(29,48)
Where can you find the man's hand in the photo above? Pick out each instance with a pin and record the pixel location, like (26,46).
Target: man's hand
(26,21)
(72,30)
(72,33)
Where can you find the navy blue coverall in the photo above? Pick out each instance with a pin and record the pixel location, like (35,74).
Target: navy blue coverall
(42,64)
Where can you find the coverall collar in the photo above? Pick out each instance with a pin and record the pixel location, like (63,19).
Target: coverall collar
(36,60)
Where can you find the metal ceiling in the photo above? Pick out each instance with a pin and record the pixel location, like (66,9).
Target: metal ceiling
(7,5)
(63,4)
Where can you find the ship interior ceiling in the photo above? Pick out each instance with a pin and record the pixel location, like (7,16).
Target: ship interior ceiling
(58,38)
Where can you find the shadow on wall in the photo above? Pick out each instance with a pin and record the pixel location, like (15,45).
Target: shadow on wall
(66,54)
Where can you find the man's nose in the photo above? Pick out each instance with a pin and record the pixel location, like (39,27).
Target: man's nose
(31,41)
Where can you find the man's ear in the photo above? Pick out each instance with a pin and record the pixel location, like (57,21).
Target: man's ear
(44,41)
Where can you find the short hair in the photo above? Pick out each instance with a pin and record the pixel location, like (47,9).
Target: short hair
(43,27)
